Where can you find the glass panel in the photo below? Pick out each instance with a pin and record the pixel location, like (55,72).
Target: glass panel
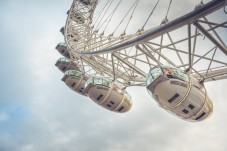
(105,82)
(150,79)
(169,72)
(153,74)
(98,81)
(101,81)
(175,73)
(156,72)
(77,73)
(182,75)
(64,59)
(74,73)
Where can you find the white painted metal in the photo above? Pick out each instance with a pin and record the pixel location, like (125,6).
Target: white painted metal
(132,55)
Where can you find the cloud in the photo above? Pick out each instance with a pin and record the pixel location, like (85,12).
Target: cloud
(4,116)
(39,112)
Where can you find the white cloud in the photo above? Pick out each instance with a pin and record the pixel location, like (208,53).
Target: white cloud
(4,116)
(61,120)
(27,147)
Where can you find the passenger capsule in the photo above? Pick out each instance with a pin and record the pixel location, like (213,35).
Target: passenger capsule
(75,80)
(62,30)
(62,49)
(65,64)
(179,93)
(108,94)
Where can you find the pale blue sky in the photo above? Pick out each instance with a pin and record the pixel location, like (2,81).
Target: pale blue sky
(39,113)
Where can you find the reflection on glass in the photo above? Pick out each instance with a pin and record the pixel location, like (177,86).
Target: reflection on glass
(153,74)
(64,60)
(168,72)
(75,73)
(175,73)
(98,81)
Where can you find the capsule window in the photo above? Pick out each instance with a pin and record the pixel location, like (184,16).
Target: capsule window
(63,69)
(73,84)
(173,98)
(80,91)
(121,108)
(108,105)
(106,89)
(112,102)
(199,117)
(191,106)
(185,111)
(100,96)
(183,85)
(174,82)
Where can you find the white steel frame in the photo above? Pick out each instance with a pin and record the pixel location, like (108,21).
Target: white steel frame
(127,58)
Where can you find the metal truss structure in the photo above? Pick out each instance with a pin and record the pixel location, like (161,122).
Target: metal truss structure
(195,42)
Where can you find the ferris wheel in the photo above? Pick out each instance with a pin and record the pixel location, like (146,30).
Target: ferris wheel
(114,44)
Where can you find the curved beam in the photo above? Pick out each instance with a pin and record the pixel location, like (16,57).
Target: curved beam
(175,24)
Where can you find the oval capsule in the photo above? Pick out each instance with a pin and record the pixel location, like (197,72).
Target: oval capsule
(65,64)
(108,94)
(179,93)
(75,80)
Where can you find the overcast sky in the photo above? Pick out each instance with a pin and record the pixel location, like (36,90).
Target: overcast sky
(38,112)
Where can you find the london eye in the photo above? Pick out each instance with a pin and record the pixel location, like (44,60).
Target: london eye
(112,45)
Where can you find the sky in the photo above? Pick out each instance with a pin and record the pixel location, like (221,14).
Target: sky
(39,112)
